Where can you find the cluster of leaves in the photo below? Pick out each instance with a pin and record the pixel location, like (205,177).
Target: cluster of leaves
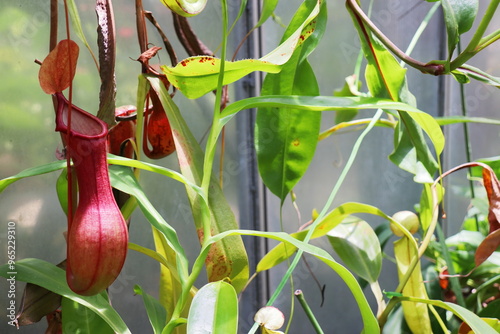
(289,109)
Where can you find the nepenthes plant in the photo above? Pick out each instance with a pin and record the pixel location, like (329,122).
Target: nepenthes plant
(442,284)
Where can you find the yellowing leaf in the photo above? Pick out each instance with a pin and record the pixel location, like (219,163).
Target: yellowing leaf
(416,314)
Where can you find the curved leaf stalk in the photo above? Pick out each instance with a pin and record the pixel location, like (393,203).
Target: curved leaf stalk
(323,212)
(431,68)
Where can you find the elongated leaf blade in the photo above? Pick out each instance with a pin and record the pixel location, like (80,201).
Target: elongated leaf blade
(52,278)
(357,245)
(123,179)
(416,314)
(34,171)
(196,76)
(156,312)
(228,258)
(475,323)
(280,253)
(369,319)
(81,320)
(286,138)
(459,16)
(214,310)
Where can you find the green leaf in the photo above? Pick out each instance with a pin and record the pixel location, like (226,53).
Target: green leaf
(427,205)
(268,7)
(52,278)
(39,170)
(231,255)
(461,119)
(477,74)
(79,319)
(196,76)
(411,151)
(286,139)
(459,16)
(369,320)
(349,89)
(123,179)
(62,190)
(170,289)
(475,323)
(156,312)
(77,26)
(280,253)
(357,245)
(384,75)
(417,120)
(214,310)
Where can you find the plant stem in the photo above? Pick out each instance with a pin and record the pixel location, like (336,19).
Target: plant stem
(431,68)
(468,149)
(358,122)
(487,40)
(308,311)
(215,129)
(472,48)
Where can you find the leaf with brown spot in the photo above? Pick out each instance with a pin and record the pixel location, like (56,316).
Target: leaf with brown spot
(59,67)
(492,186)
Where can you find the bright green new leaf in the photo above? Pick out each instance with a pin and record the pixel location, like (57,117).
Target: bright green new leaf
(156,312)
(459,15)
(357,245)
(228,258)
(196,76)
(79,319)
(53,278)
(214,310)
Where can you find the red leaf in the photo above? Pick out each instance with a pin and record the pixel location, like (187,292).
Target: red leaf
(487,247)
(59,67)
(492,186)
